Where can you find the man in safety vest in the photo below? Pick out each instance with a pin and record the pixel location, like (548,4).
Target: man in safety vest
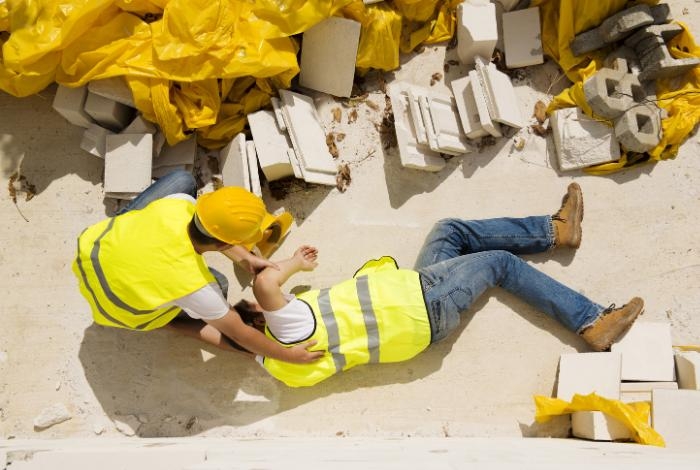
(387,314)
(143,267)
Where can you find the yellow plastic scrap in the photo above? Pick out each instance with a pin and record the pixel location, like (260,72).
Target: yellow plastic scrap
(635,416)
(679,97)
(380,35)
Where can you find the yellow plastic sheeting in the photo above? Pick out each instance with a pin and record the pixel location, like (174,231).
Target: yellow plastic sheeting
(380,35)
(635,416)
(679,97)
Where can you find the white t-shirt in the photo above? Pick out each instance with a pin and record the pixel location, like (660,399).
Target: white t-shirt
(207,303)
(292,323)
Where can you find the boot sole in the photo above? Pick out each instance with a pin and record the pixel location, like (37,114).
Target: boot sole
(578,202)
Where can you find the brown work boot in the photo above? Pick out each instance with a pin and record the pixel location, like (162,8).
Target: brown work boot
(567,220)
(612,324)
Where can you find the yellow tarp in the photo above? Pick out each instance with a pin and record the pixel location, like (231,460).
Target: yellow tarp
(195,65)
(679,97)
(635,416)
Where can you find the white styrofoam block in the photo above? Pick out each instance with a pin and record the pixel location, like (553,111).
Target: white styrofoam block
(412,154)
(522,39)
(182,153)
(328,56)
(502,102)
(647,352)
(446,125)
(94,140)
(688,369)
(477,31)
(140,126)
(584,373)
(307,135)
(597,426)
(110,114)
(581,141)
(416,112)
(115,89)
(467,109)
(252,156)
(233,163)
(70,103)
(646,386)
(277,108)
(271,145)
(487,123)
(128,163)
(675,414)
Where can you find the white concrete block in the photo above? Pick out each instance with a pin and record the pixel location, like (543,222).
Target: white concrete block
(412,154)
(277,108)
(128,163)
(252,156)
(646,386)
(522,39)
(110,114)
(647,353)
(487,123)
(70,103)
(467,109)
(477,31)
(581,141)
(584,373)
(688,369)
(328,56)
(115,89)
(294,160)
(597,426)
(501,100)
(416,113)
(94,140)
(631,397)
(140,126)
(182,153)
(271,144)
(442,118)
(233,163)
(307,135)
(675,414)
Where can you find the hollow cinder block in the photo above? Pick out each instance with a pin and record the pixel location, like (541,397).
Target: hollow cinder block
(587,41)
(620,25)
(638,129)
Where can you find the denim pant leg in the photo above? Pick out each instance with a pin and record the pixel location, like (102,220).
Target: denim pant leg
(451,286)
(451,238)
(178,181)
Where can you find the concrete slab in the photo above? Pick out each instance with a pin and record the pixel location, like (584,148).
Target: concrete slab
(675,414)
(444,119)
(467,109)
(480,98)
(501,100)
(128,163)
(94,140)
(108,113)
(70,103)
(586,373)
(477,30)
(328,55)
(182,153)
(581,141)
(114,88)
(252,157)
(597,426)
(271,145)
(233,163)
(522,39)
(647,353)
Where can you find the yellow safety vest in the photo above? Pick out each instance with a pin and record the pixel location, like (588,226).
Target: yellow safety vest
(130,265)
(377,316)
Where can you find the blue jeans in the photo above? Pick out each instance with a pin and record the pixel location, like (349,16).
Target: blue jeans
(175,182)
(460,259)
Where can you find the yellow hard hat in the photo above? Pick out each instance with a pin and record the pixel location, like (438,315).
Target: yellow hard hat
(230,214)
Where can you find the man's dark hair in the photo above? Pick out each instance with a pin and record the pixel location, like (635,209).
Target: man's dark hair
(199,238)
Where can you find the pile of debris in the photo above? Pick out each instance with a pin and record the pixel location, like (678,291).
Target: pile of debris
(639,367)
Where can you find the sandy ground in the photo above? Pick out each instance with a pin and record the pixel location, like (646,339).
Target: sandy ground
(640,238)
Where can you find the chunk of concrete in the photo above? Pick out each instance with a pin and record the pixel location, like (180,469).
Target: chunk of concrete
(609,91)
(647,353)
(279,118)
(480,98)
(501,100)
(477,31)
(416,113)
(94,140)
(597,426)
(252,156)
(675,414)
(412,154)
(110,114)
(587,41)
(271,144)
(665,31)
(54,414)
(114,88)
(467,109)
(445,134)
(586,373)
(581,141)
(182,153)
(233,163)
(522,38)
(688,369)
(128,163)
(620,25)
(140,126)
(328,56)
(639,129)
(70,103)
(661,13)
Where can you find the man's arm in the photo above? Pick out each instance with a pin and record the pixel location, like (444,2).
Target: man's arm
(254,341)
(267,286)
(247,260)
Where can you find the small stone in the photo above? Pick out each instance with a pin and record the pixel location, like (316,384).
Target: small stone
(52,415)
(127,424)
(98,428)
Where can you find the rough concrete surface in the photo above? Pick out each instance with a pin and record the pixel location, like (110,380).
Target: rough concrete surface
(640,237)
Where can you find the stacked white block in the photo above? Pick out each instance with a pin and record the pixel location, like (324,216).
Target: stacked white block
(94,140)
(467,107)
(70,103)
(233,163)
(675,414)
(647,352)
(501,100)
(477,30)
(127,164)
(108,113)
(114,88)
(328,56)
(522,38)
(688,369)
(641,391)
(272,145)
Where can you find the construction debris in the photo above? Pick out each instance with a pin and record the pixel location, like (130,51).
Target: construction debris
(522,38)
(55,414)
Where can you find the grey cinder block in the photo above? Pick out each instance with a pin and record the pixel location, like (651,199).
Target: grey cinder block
(638,129)
(620,25)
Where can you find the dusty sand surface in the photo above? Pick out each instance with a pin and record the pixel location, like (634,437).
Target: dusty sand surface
(640,238)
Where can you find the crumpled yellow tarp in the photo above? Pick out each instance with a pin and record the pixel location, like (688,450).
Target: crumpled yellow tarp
(635,416)
(195,65)
(680,97)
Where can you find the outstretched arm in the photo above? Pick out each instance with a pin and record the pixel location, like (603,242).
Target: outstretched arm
(268,283)
(247,260)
